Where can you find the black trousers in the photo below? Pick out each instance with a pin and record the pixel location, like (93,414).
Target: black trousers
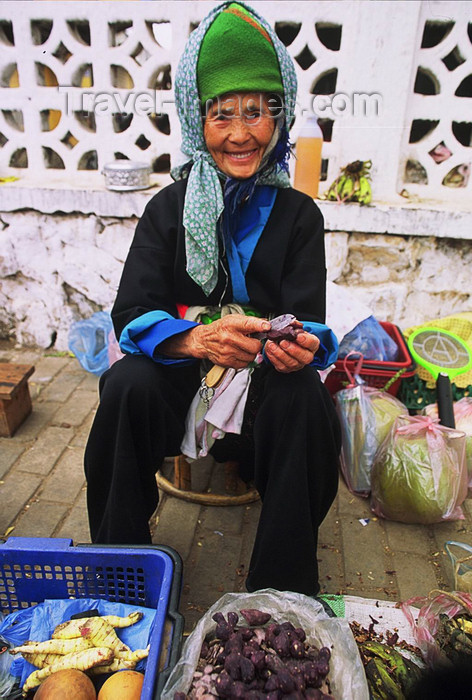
(290,447)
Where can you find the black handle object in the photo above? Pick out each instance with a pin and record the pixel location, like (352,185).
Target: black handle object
(174,654)
(445,403)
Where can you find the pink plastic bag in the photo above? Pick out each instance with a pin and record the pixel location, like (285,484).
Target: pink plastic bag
(463,419)
(114,352)
(419,473)
(426,626)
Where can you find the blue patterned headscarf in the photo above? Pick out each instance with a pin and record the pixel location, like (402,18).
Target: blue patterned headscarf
(204,199)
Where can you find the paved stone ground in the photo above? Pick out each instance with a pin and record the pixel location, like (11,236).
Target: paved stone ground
(42,494)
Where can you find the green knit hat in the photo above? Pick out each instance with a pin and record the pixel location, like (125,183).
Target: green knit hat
(237,55)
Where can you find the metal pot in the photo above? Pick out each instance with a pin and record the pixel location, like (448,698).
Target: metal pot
(123,175)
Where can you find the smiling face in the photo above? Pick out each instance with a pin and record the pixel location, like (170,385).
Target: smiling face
(238,128)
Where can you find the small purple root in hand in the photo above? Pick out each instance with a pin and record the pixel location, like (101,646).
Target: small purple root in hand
(284,327)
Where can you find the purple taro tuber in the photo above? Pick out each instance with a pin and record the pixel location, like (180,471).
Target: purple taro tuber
(265,660)
(255,618)
(284,327)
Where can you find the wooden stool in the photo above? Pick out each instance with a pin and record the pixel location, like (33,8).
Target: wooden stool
(182,486)
(15,400)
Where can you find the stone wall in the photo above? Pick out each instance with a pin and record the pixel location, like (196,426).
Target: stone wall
(404,279)
(57,268)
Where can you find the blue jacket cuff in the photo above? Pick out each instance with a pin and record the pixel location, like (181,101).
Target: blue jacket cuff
(327,353)
(145,333)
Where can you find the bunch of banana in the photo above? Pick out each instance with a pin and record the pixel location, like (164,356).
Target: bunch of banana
(454,636)
(390,675)
(353,185)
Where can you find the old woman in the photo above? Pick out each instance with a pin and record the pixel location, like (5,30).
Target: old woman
(229,242)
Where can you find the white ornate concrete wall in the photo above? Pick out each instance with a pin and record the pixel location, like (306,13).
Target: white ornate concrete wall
(437,153)
(83,83)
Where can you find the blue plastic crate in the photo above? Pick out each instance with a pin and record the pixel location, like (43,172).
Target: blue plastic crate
(33,569)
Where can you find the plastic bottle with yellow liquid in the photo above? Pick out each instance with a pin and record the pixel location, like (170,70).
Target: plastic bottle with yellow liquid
(308,158)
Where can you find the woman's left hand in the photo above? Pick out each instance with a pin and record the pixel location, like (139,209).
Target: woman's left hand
(291,356)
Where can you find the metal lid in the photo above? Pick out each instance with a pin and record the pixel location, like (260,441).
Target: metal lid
(128,165)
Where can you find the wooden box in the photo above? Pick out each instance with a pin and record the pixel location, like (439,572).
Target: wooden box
(15,400)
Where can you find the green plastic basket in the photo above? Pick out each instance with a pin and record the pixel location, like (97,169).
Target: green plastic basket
(416,395)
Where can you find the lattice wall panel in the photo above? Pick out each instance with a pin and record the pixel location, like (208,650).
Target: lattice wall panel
(112,66)
(122,57)
(76,78)
(439,151)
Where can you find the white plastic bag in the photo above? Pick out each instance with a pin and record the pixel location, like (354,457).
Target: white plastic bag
(346,675)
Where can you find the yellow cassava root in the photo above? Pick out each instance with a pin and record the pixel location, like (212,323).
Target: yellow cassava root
(80,660)
(86,644)
(55,646)
(72,628)
(41,660)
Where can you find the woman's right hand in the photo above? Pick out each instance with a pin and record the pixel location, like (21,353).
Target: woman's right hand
(225,342)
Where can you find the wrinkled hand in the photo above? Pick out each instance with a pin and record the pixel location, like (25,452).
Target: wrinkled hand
(292,355)
(227,342)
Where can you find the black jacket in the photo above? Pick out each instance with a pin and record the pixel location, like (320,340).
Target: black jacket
(286,274)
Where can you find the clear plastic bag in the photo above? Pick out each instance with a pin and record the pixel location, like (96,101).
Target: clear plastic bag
(370,339)
(426,626)
(366,415)
(460,555)
(347,673)
(419,473)
(7,681)
(89,341)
